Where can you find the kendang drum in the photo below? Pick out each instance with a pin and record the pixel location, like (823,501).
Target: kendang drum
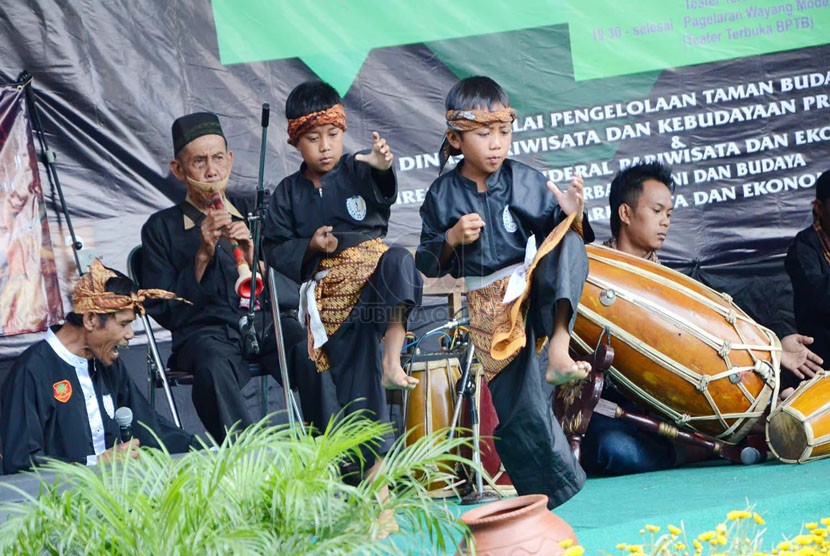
(798,430)
(681,349)
(429,407)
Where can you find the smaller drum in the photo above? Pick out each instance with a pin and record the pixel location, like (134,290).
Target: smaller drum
(798,430)
(429,406)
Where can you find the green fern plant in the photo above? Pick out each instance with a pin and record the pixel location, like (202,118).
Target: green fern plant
(265,490)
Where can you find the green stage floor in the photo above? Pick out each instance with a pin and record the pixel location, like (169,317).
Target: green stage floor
(609,511)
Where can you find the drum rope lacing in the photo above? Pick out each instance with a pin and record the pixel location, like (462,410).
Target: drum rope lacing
(731,314)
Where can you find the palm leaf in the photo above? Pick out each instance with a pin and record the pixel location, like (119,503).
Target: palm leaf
(264,490)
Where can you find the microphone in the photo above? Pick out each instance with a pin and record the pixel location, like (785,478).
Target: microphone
(751,456)
(266,112)
(246,328)
(243,283)
(124,418)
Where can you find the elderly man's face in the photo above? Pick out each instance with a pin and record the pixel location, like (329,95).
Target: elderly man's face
(105,340)
(207,160)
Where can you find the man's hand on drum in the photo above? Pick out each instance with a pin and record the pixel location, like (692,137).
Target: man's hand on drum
(797,358)
(572,200)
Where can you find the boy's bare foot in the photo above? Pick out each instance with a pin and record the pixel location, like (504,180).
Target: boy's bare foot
(387,523)
(395,378)
(563,369)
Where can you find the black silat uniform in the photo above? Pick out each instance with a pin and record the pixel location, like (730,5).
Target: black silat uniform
(516,205)
(206,336)
(355,200)
(46,413)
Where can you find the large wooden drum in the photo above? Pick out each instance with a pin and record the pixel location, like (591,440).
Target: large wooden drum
(682,349)
(798,430)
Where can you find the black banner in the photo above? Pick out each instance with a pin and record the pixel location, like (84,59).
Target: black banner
(743,121)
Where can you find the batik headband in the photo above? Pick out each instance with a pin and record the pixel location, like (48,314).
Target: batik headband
(297,127)
(90,294)
(468,120)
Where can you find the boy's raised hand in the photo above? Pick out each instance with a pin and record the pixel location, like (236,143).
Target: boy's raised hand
(323,240)
(572,200)
(381,156)
(466,230)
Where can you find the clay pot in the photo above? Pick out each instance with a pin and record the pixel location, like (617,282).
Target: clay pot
(522,525)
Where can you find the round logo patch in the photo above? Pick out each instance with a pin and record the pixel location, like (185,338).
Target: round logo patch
(62,391)
(356,207)
(507,219)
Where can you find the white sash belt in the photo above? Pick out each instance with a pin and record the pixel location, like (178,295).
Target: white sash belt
(308,307)
(517,273)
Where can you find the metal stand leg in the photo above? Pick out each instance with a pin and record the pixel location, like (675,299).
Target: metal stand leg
(467,389)
(154,353)
(294,417)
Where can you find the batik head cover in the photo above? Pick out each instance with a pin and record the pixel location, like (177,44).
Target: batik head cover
(297,127)
(90,294)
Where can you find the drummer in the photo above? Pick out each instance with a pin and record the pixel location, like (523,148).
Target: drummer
(808,265)
(641,210)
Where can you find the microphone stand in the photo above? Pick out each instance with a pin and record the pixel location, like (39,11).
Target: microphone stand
(255,225)
(467,389)
(24,81)
(249,332)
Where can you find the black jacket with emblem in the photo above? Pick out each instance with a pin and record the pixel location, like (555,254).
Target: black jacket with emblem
(516,205)
(355,201)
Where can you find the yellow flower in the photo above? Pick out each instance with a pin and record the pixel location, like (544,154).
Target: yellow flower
(697,545)
(679,546)
(622,546)
(575,551)
(674,530)
(825,521)
(812,525)
(565,543)
(721,528)
(804,540)
(758,519)
(738,514)
(784,545)
(706,536)
(820,532)
(634,548)
(652,528)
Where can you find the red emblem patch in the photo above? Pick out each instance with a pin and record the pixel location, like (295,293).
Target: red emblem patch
(62,391)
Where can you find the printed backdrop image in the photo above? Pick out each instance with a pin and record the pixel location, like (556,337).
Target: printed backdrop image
(733,94)
(29,293)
